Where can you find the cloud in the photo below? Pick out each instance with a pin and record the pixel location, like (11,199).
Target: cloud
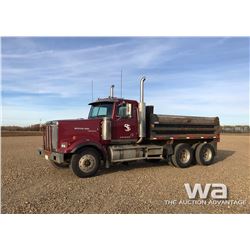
(187,76)
(43,70)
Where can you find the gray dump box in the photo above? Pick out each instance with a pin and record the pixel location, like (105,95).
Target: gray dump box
(180,127)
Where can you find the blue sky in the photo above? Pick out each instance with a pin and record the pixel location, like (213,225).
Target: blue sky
(50,78)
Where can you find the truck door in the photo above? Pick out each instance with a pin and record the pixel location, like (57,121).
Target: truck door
(125,123)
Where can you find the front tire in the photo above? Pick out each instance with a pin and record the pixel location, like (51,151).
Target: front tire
(85,163)
(183,155)
(204,154)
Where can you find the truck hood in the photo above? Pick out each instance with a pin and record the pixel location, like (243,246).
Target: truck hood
(77,131)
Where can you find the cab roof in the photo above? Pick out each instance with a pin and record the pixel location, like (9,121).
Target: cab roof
(109,100)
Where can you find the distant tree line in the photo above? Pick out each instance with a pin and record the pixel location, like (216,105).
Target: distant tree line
(35,127)
(235,129)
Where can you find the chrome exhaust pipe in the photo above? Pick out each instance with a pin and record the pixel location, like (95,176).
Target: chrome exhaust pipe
(112,91)
(142,112)
(142,89)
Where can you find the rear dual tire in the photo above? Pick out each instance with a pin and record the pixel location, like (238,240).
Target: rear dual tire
(183,156)
(204,154)
(186,155)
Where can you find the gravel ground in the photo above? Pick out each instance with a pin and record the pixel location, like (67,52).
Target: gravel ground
(31,185)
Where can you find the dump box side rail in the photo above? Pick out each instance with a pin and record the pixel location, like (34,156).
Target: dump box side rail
(160,127)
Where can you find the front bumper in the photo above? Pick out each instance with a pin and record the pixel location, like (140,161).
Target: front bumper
(51,156)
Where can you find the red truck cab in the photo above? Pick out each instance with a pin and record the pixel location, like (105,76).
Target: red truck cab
(62,138)
(124,116)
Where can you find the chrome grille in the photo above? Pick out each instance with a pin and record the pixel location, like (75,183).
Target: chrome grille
(50,138)
(54,137)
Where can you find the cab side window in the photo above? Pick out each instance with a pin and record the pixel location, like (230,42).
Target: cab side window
(124,110)
(121,112)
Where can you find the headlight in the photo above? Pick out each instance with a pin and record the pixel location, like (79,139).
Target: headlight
(64,145)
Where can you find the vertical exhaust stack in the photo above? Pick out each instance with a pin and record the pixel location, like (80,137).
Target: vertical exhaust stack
(112,91)
(142,112)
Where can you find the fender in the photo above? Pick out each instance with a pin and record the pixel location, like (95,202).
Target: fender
(76,146)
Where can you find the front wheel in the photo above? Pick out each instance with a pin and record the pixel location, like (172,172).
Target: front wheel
(85,163)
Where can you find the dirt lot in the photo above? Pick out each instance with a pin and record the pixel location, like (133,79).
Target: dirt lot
(31,185)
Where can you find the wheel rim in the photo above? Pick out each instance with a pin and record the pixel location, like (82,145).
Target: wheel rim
(184,156)
(207,154)
(87,163)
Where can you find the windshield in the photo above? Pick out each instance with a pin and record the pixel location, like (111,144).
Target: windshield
(101,110)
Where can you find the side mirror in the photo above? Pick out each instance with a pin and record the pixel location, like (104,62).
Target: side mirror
(128,110)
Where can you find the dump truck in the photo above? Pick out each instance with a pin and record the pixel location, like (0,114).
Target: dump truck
(121,131)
